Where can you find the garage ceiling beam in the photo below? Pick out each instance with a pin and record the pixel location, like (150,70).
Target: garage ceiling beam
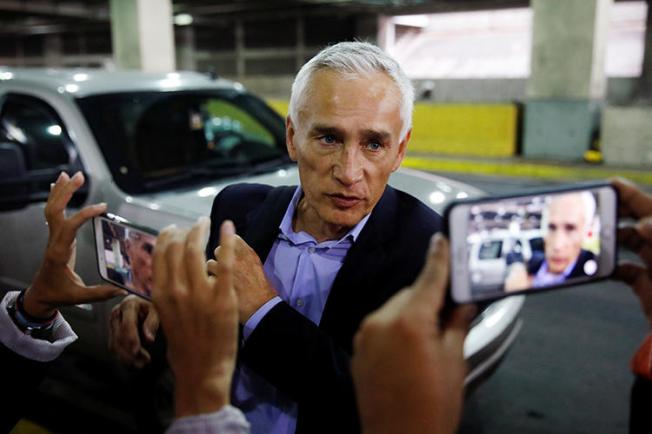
(51,8)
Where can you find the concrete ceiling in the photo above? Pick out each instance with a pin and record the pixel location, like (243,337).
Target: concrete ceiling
(54,16)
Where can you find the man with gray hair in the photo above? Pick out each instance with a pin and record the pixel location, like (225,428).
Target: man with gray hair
(315,259)
(566,222)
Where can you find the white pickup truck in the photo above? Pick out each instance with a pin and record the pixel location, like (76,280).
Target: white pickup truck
(157,148)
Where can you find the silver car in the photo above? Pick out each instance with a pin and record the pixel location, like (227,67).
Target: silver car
(157,148)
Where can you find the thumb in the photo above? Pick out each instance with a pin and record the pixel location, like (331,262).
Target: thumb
(100,293)
(432,281)
(458,324)
(150,325)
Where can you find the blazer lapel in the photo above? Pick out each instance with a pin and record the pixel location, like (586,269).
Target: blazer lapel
(263,222)
(352,290)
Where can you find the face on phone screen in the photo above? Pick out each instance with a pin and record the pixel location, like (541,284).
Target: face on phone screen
(536,242)
(127,255)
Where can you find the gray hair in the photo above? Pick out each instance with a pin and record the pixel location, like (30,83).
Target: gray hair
(586,200)
(354,59)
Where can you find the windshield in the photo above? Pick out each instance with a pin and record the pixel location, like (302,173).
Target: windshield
(154,141)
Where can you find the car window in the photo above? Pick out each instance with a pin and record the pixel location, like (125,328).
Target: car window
(38,131)
(490,249)
(151,139)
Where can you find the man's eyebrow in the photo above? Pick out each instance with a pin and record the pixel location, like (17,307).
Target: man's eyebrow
(325,129)
(378,135)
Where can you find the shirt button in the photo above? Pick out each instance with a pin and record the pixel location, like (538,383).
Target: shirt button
(300,302)
(311,250)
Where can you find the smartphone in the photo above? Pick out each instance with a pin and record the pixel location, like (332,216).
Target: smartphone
(125,253)
(531,242)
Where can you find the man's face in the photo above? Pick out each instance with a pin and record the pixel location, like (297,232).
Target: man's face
(346,143)
(565,231)
(139,251)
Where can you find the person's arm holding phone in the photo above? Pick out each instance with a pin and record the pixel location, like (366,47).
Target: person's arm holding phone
(199,315)
(408,366)
(32,331)
(637,205)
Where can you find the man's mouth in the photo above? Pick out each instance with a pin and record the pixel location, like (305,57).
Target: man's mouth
(344,201)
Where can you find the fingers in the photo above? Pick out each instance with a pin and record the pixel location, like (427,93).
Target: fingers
(224,268)
(633,201)
(632,274)
(458,326)
(60,195)
(194,254)
(212,267)
(433,279)
(644,228)
(159,266)
(92,294)
(124,331)
(151,324)
(69,231)
(176,270)
(227,243)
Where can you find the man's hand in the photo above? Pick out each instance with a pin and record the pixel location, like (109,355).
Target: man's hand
(56,283)
(408,368)
(636,204)
(251,285)
(127,318)
(199,315)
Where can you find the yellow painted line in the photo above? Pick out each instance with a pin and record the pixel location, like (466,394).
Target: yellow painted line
(525,169)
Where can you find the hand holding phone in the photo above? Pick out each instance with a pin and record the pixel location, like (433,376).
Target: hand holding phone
(125,253)
(531,242)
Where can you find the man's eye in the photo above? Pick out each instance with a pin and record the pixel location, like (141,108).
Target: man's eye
(328,139)
(374,146)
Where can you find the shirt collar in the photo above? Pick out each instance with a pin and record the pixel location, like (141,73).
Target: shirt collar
(288,232)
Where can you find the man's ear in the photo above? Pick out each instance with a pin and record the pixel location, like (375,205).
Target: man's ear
(289,138)
(402,148)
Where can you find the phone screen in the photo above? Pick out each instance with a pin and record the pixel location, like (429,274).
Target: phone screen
(125,254)
(532,242)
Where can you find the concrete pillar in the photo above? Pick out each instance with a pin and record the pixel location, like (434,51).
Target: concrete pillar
(626,129)
(645,81)
(567,82)
(186,49)
(53,50)
(142,35)
(386,33)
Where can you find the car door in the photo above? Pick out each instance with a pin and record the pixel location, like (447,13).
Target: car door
(35,147)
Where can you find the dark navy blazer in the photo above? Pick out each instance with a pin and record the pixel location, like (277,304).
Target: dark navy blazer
(307,362)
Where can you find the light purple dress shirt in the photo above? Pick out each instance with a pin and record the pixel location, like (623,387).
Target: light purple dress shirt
(302,271)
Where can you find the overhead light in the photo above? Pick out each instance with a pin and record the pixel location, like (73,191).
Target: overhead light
(80,77)
(6,75)
(72,88)
(183,19)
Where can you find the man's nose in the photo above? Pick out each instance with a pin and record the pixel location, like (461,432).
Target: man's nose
(348,167)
